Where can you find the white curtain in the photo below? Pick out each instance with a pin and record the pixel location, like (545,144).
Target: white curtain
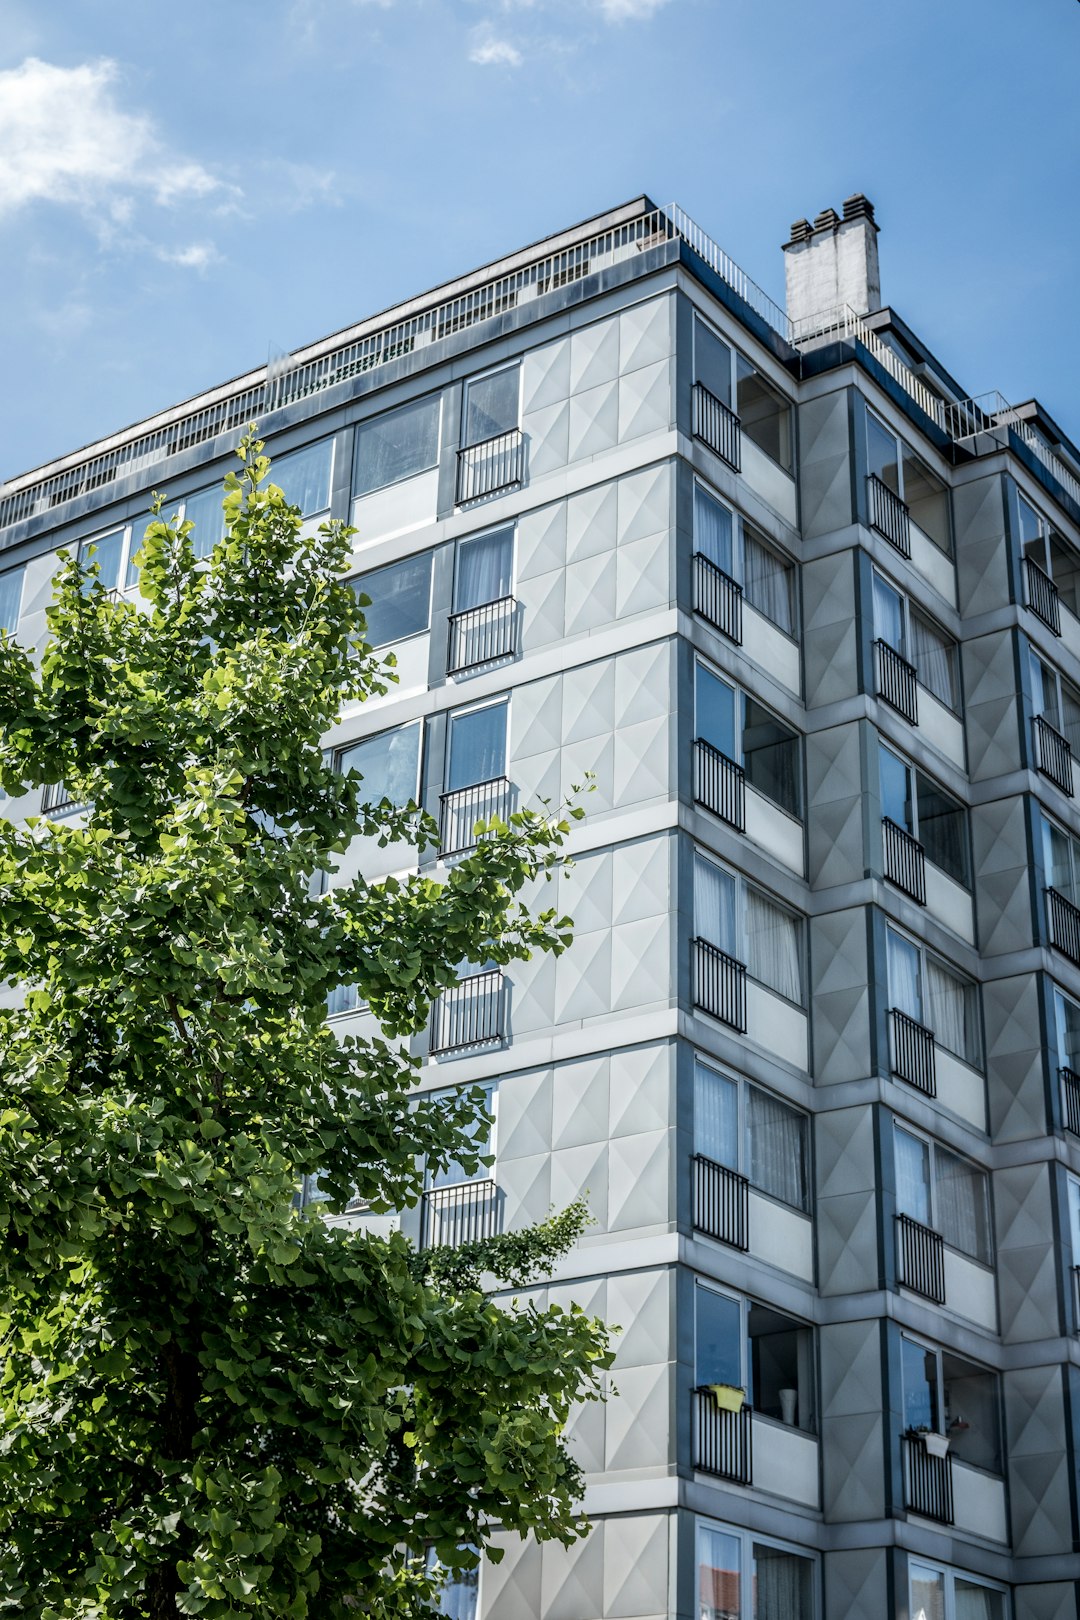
(934,655)
(484,567)
(777,1148)
(714,905)
(904,988)
(912,1160)
(712,530)
(716,1117)
(772,946)
(947,998)
(928,1596)
(889,615)
(977,1602)
(782,1583)
(960,1190)
(768,582)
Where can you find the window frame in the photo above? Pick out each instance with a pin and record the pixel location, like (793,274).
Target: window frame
(355,491)
(745,1305)
(934,1223)
(908,610)
(939,1352)
(125,583)
(742,885)
(490,1088)
(1061,998)
(18,569)
(748,1539)
(502,700)
(913,773)
(739,526)
(950,1575)
(736,354)
(480,376)
(743,1156)
(979,1063)
(1060,685)
(904,449)
(355,582)
(510,526)
(740,699)
(373,736)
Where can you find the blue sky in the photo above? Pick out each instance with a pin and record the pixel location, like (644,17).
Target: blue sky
(186,186)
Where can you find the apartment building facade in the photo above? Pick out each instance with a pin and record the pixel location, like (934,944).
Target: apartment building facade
(811,617)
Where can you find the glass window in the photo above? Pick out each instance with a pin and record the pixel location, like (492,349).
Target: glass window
(783,1584)
(304,477)
(927,1594)
(477,747)
(485,569)
(905,976)
(952,1011)
(741,1578)
(11,589)
(1044,691)
(458,1597)
(714,710)
(962,1205)
(772,755)
(1065,572)
(716,1116)
(714,905)
(718,1560)
(718,1338)
(936,659)
(773,946)
(107,551)
(882,451)
(491,404)
(1031,527)
(927,500)
(765,414)
(919,1368)
(712,362)
(781,1367)
(1074,1218)
(976,1602)
(1067,1021)
(714,530)
(400,599)
(778,1144)
(943,830)
(344,998)
(889,616)
(482,1132)
(769,581)
(1061,860)
(206,512)
(397,444)
(972,1413)
(389,764)
(895,779)
(912,1161)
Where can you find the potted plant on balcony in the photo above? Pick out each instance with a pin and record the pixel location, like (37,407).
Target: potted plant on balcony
(728,1397)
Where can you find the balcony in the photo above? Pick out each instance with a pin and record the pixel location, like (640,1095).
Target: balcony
(719,784)
(461,811)
(889,516)
(723,1440)
(720,985)
(468,1212)
(897,682)
(1070,1096)
(721,1203)
(470,1014)
(717,426)
(718,598)
(483,635)
(905,860)
(920,1259)
(490,467)
(1063,921)
(913,1053)
(1053,756)
(1041,596)
(928,1481)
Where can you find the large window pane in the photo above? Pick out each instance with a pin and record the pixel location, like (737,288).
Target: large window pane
(974,1602)
(714,710)
(457,1600)
(1067,1015)
(781,1371)
(772,755)
(480,1133)
(491,405)
(1059,860)
(477,747)
(388,763)
(905,976)
(764,413)
(920,1381)
(400,600)
(397,445)
(718,1575)
(712,362)
(779,1148)
(895,779)
(927,500)
(881,450)
(714,905)
(1065,571)
(963,1208)
(943,830)
(768,582)
(889,616)
(718,1339)
(927,1594)
(934,655)
(713,530)
(783,1585)
(773,954)
(206,512)
(485,567)
(716,1116)
(1031,524)
(952,1011)
(972,1412)
(912,1159)
(304,477)
(1070,716)
(106,551)
(11,586)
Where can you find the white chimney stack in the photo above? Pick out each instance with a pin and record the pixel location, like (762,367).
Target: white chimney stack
(833,262)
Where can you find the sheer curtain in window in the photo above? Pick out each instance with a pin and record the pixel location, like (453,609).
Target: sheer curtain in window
(977,1602)
(889,615)
(772,946)
(714,905)
(962,1213)
(934,657)
(769,582)
(484,566)
(928,1596)
(712,530)
(777,1148)
(716,1117)
(947,1011)
(782,1585)
(905,990)
(912,1160)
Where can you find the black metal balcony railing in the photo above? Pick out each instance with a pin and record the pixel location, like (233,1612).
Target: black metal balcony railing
(1070,1096)
(483,635)
(920,1259)
(719,984)
(723,1440)
(491,466)
(716,425)
(721,1203)
(1063,919)
(913,1053)
(1053,755)
(467,1212)
(461,810)
(889,515)
(719,784)
(928,1482)
(1041,595)
(718,598)
(897,682)
(905,860)
(469,1014)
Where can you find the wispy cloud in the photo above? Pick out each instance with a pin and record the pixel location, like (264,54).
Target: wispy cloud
(629,10)
(489,52)
(196,256)
(66,139)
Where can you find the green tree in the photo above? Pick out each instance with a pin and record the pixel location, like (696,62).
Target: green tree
(215,1404)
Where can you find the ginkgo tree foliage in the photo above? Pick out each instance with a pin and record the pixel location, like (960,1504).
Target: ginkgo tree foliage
(215,1403)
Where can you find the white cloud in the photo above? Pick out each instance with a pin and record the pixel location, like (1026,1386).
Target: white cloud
(495,52)
(64,138)
(196,256)
(629,10)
